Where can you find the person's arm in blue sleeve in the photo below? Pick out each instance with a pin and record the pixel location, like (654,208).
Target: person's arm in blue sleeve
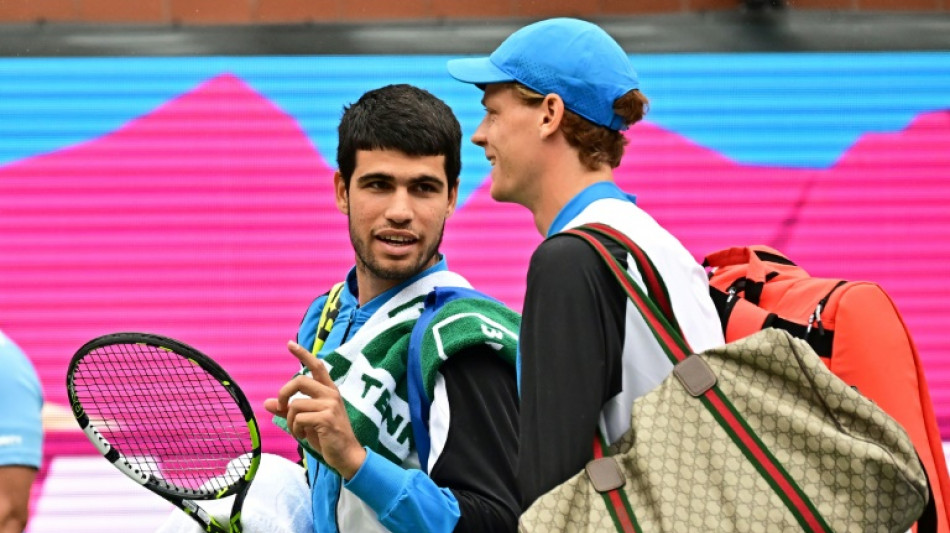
(21,435)
(472,485)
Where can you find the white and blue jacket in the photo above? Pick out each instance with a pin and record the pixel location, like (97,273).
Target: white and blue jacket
(473,430)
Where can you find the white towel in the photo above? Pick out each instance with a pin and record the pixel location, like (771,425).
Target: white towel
(277,502)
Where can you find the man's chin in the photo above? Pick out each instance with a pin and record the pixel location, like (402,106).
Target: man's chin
(396,271)
(399,268)
(502,196)
(497,194)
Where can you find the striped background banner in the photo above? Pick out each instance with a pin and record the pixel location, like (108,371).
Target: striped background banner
(191,197)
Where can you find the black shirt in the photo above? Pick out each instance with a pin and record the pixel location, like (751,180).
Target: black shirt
(572,337)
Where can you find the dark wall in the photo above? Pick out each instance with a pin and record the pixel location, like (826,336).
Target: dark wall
(737,30)
(299,11)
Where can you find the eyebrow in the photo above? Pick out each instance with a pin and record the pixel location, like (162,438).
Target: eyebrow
(425,178)
(375,176)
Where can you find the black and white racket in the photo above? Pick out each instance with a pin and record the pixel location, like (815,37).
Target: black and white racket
(168,417)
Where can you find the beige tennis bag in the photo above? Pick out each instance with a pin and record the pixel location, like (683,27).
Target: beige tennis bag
(757,435)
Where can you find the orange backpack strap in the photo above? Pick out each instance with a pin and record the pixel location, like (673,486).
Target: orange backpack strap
(736,287)
(756,258)
(736,282)
(746,269)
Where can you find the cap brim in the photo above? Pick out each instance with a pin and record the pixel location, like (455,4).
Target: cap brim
(480,71)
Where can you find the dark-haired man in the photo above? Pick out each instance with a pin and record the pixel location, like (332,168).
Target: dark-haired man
(397,183)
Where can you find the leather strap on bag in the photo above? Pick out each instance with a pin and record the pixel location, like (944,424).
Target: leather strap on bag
(673,343)
(656,289)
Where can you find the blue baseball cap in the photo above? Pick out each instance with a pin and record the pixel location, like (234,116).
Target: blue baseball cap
(572,58)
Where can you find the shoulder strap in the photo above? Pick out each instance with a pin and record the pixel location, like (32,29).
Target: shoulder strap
(419,401)
(331,308)
(654,313)
(656,289)
(674,344)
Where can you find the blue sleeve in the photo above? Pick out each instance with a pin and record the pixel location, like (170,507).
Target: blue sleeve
(404,500)
(21,398)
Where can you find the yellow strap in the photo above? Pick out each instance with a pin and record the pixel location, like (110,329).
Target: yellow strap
(327,316)
(330,309)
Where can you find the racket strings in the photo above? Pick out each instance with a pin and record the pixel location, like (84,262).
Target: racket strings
(166,414)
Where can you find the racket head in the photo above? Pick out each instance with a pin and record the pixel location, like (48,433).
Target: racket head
(165,414)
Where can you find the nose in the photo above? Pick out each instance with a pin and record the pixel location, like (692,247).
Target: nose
(399,210)
(479,137)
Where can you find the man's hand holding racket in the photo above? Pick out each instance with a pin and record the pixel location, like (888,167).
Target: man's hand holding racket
(315,412)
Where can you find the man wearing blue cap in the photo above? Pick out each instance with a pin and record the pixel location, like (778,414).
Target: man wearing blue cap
(558,95)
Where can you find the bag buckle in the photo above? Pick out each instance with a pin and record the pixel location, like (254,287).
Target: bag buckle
(605,474)
(815,318)
(695,375)
(732,294)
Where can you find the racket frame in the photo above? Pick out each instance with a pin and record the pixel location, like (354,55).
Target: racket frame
(180,497)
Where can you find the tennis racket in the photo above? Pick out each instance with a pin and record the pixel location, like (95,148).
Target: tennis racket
(168,417)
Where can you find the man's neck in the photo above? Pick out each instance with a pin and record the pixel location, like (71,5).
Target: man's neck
(560,187)
(369,286)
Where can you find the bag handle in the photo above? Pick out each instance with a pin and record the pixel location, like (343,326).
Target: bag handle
(759,261)
(722,409)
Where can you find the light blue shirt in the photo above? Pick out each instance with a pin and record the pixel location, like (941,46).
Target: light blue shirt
(21,400)
(597,191)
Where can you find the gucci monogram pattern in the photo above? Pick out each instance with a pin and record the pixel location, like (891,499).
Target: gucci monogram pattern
(684,473)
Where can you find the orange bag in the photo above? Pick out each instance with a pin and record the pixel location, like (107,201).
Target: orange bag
(853,325)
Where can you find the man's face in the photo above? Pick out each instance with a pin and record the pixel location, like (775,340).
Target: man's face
(397,206)
(509,135)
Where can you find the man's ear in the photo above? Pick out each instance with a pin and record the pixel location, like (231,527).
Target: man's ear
(342,195)
(453,198)
(552,109)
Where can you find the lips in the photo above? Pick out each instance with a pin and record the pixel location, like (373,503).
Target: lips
(397,239)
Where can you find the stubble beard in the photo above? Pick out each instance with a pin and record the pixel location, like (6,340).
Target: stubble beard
(366,261)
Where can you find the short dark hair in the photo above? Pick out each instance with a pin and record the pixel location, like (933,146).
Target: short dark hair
(404,118)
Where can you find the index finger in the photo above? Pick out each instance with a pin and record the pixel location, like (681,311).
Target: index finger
(316,367)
